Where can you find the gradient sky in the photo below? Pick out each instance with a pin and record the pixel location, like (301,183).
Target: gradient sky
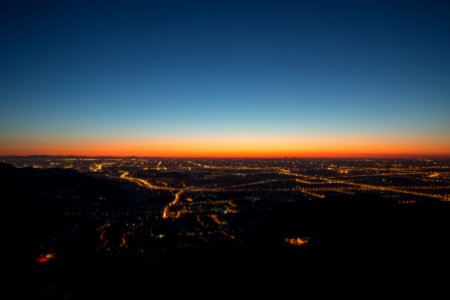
(225,78)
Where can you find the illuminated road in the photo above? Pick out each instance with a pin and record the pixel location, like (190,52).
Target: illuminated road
(371,187)
(144,183)
(314,186)
(166,211)
(102,238)
(123,242)
(208,192)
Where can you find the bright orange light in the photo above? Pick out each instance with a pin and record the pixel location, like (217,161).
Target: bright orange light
(235,146)
(297,241)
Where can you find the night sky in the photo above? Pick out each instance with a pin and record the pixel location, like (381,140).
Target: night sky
(225,78)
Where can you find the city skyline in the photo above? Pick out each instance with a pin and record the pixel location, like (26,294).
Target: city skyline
(150,147)
(225,79)
(107,224)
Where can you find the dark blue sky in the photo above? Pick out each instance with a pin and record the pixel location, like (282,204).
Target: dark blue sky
(183,69)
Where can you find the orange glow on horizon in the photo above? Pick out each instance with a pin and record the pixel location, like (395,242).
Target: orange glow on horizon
(232,147)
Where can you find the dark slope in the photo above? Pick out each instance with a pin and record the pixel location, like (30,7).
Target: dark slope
(352,240)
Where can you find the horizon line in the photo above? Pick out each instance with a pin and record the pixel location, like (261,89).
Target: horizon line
(357,156)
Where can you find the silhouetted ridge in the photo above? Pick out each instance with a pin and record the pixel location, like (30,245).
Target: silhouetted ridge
(350,238)
(69,184)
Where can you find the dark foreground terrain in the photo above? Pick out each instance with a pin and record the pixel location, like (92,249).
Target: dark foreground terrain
(50,243)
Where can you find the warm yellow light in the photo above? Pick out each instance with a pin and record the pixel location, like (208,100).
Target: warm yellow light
(298,241)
